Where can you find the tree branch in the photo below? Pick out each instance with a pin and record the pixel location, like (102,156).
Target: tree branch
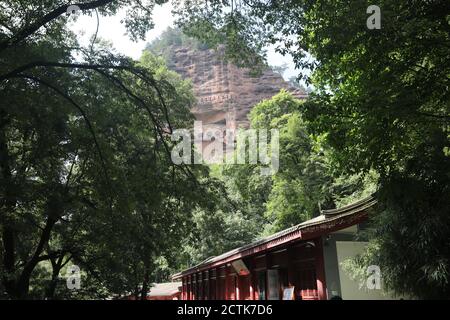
(83,114)
(32,28)
(140,73)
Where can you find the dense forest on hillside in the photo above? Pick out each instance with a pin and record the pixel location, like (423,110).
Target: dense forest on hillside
(173,37)
(86,175)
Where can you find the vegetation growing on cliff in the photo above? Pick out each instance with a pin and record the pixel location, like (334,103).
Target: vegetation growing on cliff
(170,38)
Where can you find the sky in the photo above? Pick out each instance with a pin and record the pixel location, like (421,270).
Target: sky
(112,30)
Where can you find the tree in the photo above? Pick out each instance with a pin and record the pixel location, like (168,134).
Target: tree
(85,169)
(280,69)
(303,177)
(305,182)
(381,99)
(172,37)
(293,81)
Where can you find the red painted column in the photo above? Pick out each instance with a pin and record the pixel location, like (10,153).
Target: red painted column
(250,279)
(194,286)
(320,270)
(226,283)
(200,285)
(189,288)
(251,288)
(209,284)
(217,283)
(237,286)
(292,281)
(183,288)
(186,288)
(268,265)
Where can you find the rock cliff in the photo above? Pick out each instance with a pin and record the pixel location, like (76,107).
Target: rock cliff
(225,93)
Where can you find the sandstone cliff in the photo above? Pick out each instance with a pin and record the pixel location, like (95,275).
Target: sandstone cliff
(225,93)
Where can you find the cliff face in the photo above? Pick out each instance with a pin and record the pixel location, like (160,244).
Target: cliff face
(225,93)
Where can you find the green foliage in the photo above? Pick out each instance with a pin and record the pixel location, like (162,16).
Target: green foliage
(389,111)
(229,222)
(215,25)
(280,69)
(86,177)
(215,233)
(381,101)
(305,180)
(398,241)
(85,169)
(173,37)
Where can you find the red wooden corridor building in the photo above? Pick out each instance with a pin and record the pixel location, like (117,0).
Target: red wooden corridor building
(296,263)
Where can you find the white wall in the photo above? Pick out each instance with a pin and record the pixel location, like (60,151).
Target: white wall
(349,288)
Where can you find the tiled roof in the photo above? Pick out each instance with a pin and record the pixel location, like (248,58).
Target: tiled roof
(325,217)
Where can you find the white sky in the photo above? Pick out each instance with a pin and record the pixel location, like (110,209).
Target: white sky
(112,30)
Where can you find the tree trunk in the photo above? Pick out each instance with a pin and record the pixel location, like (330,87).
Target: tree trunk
(51,289)
(145,285)
(9,202)
(23,282)
(57,265)
(56,268)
